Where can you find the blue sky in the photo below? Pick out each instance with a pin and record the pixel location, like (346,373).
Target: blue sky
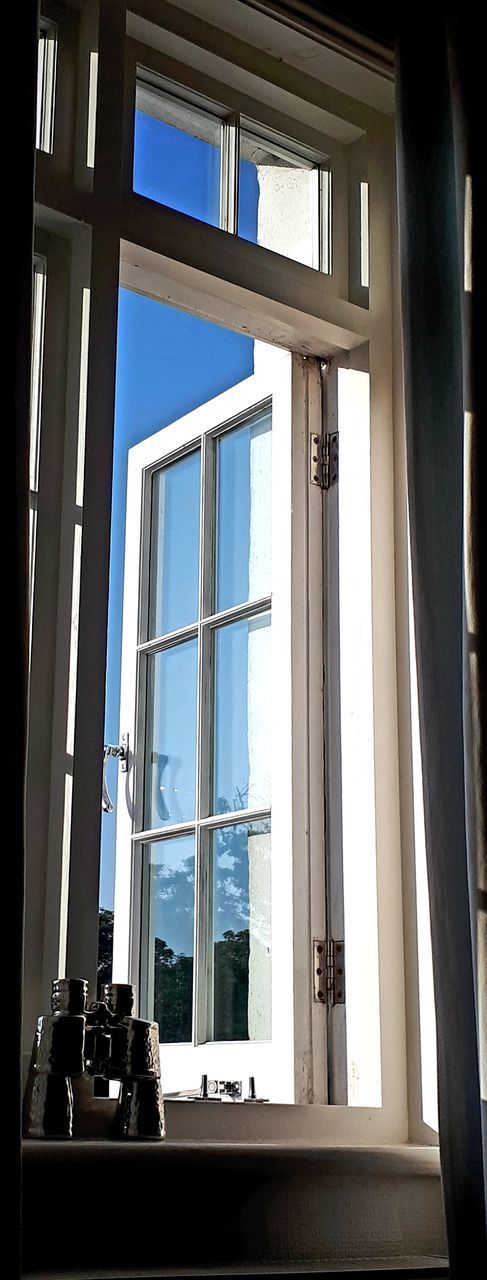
(168,363)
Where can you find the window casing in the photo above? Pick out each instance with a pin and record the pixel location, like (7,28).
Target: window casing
(176,259)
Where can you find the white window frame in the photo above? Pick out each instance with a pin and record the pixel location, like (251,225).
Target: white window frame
(184,263)
(284,1065)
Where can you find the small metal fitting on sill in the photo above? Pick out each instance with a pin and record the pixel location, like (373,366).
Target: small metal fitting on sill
(217,1091)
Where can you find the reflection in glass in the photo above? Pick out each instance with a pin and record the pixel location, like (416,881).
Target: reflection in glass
(170,737)
(177,151)
(243,528)
(174,554)
(241,864)
(278,200)
(241,733)
(171,931)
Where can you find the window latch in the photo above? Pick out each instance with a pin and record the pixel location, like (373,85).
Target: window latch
(323,460)
(329,972)
(119,753)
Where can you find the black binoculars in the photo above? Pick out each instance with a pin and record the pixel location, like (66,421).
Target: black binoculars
(105,1040)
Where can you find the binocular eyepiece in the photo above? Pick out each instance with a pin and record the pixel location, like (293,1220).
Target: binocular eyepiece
(107,1040)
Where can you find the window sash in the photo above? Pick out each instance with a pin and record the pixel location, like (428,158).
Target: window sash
(203,631)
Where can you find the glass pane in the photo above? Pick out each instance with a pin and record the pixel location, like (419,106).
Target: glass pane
(170,738)
(357,742)
(242,680)
(241,861)
(278,199)
(171,931)
(243,513)
(177,155)
(174,546)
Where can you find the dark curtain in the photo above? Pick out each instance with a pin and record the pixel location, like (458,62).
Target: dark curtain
(439,156)
(23,23)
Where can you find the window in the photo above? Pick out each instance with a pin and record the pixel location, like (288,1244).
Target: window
(199,158)
(255,706)
(204,848)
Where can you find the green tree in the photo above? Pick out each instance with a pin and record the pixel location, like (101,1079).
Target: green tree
(105,947)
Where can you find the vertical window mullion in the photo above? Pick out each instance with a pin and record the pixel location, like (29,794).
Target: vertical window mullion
(203,751)
(38,326)
(229,179)
(142,954)
(207,540)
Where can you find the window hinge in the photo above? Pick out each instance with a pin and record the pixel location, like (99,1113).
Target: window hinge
(329,972)
(323,460)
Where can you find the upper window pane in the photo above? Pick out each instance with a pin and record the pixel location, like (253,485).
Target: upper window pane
(174,553)
(243,526)
(279,199)
(177,150)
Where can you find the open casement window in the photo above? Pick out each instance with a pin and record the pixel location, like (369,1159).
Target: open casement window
(214,860)
(247,184)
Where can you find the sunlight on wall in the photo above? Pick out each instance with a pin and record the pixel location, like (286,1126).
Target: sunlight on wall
(357,746)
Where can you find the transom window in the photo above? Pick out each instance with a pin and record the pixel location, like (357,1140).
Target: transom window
(218,166)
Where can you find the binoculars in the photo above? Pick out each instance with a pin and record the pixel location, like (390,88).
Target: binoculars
(75,1042)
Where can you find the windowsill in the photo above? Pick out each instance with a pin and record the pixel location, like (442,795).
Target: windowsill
(396,1159)
(275,1202)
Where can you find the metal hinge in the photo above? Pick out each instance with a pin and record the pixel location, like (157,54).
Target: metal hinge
(323,460)
(329,971)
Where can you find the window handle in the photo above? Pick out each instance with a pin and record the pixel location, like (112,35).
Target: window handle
(119,753)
